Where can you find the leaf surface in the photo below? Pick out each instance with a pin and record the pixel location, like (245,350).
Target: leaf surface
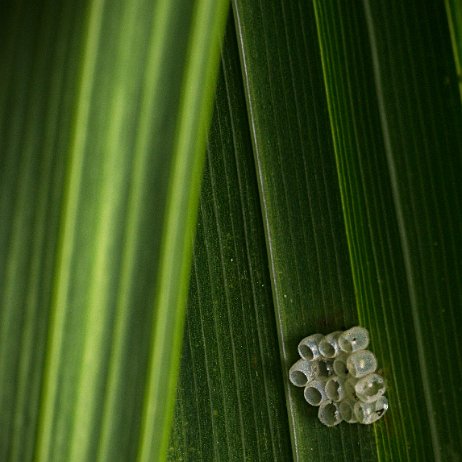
(105,112)
(301,207)
(396,119)
(230,403)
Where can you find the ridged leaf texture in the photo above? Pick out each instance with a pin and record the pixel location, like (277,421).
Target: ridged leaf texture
(156,268)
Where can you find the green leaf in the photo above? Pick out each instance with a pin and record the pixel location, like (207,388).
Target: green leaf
(396,119)
(230,403)
(105,111)
(314,156)
(307,250)
(330,198)
(454,12)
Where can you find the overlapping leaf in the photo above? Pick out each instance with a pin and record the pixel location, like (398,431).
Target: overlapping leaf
(300,184)
(104,117)
(352,112)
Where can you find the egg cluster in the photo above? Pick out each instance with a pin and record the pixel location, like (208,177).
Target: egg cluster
(339,375)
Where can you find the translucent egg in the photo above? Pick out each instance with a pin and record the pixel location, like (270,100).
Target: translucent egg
(326,367)
(335,388)
(368,413)
(328,346)
(340,365)
(360,363)
(308,348)
(315,391)
(303,372)
(346,409)
(370,388)
(329,414)
(354,339)
(349,385)
(339,376)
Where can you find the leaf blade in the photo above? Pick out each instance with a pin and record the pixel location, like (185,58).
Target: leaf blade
(102,263)
(390,169)
(230,351)
(308,256)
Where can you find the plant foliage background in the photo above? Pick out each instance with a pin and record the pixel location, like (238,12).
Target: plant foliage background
(328,195)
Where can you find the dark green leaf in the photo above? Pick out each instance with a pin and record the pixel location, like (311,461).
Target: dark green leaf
(396,121)
(454,12)
(308,254)
(230,402)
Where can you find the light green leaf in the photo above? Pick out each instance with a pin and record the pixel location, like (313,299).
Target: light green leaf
(100,185)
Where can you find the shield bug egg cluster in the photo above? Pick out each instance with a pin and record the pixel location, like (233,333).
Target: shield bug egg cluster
(339,375)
